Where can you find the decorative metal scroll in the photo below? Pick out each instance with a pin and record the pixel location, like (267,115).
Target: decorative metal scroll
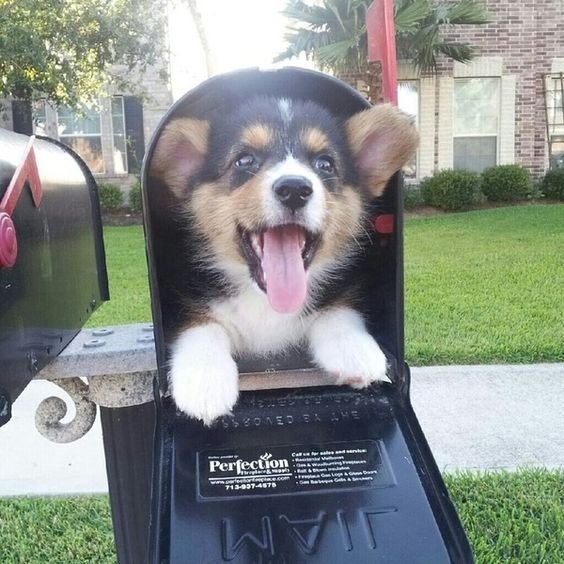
(52,410)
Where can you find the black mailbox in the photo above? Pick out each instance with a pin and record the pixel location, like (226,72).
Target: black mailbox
(52,263)
(319,439)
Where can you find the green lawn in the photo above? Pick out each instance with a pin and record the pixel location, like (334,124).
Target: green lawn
(481,287)
(54,530)
(486,286)
(511,518)
(127,270)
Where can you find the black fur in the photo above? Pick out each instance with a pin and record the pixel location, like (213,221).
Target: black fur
(226,129)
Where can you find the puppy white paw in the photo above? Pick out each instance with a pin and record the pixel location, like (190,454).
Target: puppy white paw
(203,375)
(341,346)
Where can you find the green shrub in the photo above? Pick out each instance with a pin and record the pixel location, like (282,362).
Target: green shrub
(507,183)
(412,198)
(552,185)
(135,202)
(111,197)
(451,190)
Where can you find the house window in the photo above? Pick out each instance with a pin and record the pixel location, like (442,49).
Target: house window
(476,122)
(83,134)
(119,141)
(555,116)
(408,101)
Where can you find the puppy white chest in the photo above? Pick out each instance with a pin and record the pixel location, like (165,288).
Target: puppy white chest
(254,327)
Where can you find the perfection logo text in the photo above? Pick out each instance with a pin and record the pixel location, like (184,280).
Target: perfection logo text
(264,462)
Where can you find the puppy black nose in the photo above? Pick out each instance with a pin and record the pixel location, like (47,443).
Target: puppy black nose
(293,191)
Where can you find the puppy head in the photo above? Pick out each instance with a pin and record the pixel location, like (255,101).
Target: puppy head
(278,188)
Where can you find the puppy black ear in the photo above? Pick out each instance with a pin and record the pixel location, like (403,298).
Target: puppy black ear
(382,140)
(180,152)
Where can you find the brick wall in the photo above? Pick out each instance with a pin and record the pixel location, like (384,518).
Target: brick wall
(527,35)
(367,81)
(159,98)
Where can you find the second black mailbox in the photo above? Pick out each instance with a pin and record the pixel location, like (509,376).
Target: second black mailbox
(346,476)
(52,262)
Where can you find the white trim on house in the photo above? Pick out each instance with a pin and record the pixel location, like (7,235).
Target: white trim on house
(506,142)
(557,65)
(123,132)
(107,141)
(481,67)
(426,117)
(556,69)
(426,156)
(445,126)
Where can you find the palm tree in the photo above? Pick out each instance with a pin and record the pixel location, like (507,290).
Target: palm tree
(333,32)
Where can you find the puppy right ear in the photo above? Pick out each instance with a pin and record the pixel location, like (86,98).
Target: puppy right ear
(382,139)
(180,153)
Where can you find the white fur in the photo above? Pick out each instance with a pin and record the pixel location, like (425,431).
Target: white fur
(285,107)
(254,327)
(203,375)
(313,213)
(340,344)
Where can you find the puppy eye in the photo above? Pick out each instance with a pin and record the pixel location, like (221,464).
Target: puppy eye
(246,161)
(324,163)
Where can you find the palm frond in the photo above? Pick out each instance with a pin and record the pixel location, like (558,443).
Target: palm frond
(460,52)
(422,51)
(463,12)
(312,16)
(302,40)
(335,11)
(333,32)
(340,55)
(408,15)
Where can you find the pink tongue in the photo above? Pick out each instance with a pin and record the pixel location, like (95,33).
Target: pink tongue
(283,268)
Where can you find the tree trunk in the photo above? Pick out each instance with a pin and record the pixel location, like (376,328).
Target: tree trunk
(202,34)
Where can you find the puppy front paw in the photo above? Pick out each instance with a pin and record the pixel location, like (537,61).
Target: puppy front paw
(341,346)
(203,375)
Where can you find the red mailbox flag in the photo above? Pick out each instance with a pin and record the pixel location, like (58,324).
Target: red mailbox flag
(382,44)
(382,47)
(25,172)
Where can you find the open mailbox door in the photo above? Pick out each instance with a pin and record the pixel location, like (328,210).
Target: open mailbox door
(346,476)
(52,263)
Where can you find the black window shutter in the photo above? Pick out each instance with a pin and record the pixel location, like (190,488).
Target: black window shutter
(22,117)
(133,111)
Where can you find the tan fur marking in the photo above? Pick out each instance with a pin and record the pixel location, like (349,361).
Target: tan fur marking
(396,140)
(218,212)
(180,148)
(257,136)
(343,223)
(197,318)
(314,140)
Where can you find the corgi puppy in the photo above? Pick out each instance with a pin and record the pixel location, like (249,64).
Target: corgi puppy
(276,193)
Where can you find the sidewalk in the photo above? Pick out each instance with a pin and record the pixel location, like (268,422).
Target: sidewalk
(474,417)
